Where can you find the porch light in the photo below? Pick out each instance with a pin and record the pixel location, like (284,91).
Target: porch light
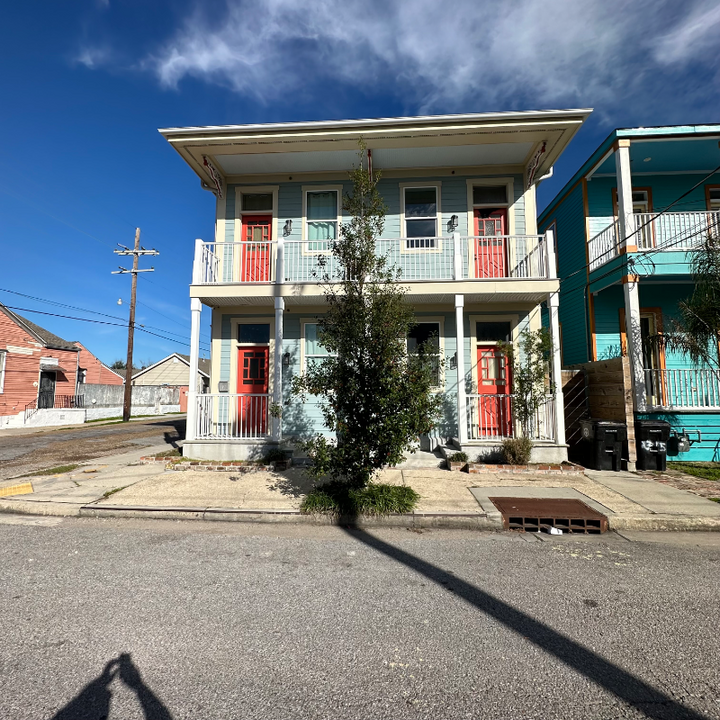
(286,355)
(452,223)
(287,230)
(453,361)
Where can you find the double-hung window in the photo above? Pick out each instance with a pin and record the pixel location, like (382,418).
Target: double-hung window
(321,212)
(421,216)
(426,336)
(314,350)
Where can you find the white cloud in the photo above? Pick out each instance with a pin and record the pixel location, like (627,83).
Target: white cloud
(445,55)
(92,57)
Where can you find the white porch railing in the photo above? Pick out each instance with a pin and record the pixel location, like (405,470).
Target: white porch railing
(675,230)
(604,246)
(233,417)
(418,259)
(683,389)
(490,417)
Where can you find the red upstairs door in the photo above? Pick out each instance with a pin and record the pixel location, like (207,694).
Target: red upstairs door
(494,407)
(252,390)
(490,245)
(256,248)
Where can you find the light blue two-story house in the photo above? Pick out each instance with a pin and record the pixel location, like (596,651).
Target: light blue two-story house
(461,227)
(626,225)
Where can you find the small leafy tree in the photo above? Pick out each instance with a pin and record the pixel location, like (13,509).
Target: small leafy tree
(374,397)
(696,329)
(529,367)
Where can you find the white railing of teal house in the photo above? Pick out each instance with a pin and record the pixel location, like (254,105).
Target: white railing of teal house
(418,259)
(490,417)
(675,230)
(680,389)
(233,417)
(604,246)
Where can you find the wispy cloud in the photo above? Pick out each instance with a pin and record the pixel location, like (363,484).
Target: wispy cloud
(462,54)
(93,57)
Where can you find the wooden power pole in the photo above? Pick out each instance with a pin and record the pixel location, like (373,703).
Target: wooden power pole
(136,252)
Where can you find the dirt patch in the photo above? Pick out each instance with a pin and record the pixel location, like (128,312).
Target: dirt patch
(682,481)
(42,453)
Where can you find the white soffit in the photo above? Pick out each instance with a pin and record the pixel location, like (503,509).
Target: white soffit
(383,158)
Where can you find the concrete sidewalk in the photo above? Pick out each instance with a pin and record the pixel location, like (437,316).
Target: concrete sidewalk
(120,486)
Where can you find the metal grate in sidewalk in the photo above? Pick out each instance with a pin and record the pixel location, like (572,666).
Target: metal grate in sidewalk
(536,514)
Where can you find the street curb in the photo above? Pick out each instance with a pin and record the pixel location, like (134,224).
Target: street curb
(471,521)
(36,507)
(668,523)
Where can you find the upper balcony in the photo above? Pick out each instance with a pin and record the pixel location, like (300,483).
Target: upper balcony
(671,231)
(488,268)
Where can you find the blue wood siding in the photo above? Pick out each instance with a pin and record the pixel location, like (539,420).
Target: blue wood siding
(708,423)
(607,322)
(569,221)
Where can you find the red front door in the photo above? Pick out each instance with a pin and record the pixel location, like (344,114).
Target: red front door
(495,416)
(256,249)
(252,390)
(490,245)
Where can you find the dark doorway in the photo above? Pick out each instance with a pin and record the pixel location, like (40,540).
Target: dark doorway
(46,394)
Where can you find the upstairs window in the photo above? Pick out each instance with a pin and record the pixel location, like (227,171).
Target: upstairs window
(257,202)
(322,219)
(426,336)
(492,195)
(714,199)
(421,216)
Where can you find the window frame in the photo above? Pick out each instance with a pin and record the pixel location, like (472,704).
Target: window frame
(513,319)
(419,185)
(236,345)
(438,320)
(241,190)
(338,189)
(304,322)
(708,200)
(3,365)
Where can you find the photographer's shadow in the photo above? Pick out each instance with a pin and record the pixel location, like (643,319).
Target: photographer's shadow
(93,701)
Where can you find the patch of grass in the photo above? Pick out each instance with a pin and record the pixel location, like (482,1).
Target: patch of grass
(717,500)
(52,471)
(113,491)
(336,498)
(175,453)
(706,471)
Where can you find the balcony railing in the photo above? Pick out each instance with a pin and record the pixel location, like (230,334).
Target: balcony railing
(669,231)
(491,417)
(675,230)
(417,259)
(233,417)
(50,401)
(683,389)
(604,246)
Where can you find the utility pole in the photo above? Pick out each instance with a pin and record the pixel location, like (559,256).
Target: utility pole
(136,252)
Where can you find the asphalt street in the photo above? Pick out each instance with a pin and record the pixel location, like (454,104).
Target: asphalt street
(160,619)
(23,451)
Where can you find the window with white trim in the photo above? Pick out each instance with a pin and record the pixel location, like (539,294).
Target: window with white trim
(321,209)
(421,216)
(714,199)
(3,356)
(426,336)
(314,351)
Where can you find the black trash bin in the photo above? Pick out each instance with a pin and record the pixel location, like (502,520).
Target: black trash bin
(652,438)
(604,442)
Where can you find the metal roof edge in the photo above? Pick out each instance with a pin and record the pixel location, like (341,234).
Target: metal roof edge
(370,122)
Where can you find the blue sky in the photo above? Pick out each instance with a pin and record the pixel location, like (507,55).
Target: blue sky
(85,85)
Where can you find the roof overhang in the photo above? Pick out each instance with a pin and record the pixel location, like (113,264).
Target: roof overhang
(506,141)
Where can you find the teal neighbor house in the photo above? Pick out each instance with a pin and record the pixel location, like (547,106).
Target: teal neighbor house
(626,225)
(460,226)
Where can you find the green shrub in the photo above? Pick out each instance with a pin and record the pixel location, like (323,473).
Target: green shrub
(516,451)
(337,498)
(458,457)
(274,455)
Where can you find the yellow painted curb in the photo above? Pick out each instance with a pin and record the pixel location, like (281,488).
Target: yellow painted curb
(22,489)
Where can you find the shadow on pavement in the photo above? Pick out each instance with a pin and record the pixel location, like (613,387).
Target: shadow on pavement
(625,686)
(93,701)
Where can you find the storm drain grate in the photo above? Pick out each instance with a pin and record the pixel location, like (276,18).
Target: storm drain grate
(536,514)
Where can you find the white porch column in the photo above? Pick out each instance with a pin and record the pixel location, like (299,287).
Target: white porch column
(191,422)
(460,340)
(553,302)
(628,243)
(457,257)
(277,366)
